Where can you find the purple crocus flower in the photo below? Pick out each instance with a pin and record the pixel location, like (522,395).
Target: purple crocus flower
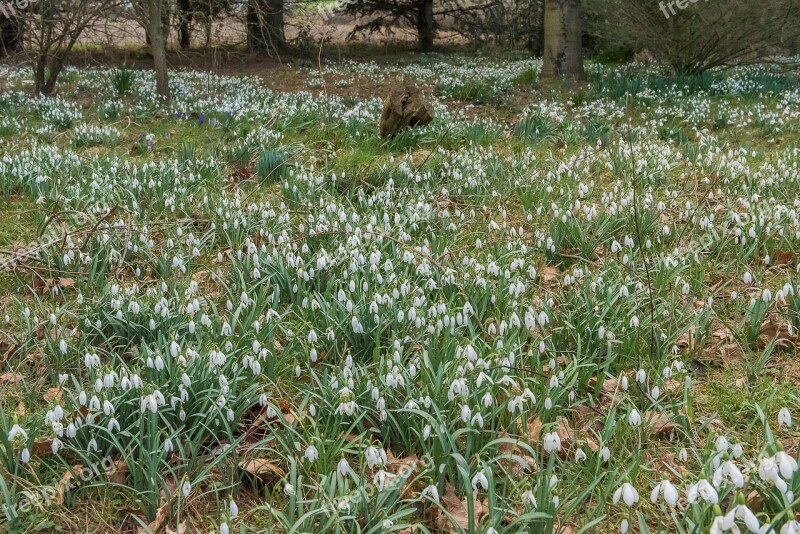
(152,144)
(202,118)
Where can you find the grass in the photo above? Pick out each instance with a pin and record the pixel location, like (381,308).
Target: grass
(250,298)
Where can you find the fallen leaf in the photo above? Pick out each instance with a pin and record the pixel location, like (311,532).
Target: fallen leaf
(459,510)
(155,525)
(658,423)
(11,378)
(181,529)
(119,473)
(549,273)
(20,408)
(66,483)
(53,394)
(785,335)
(262,467)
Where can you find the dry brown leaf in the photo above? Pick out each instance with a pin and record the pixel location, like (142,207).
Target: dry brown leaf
(262,467)
(458,509)
(20,408)
(549,273)
(53,394)
(42,447)
(119,473)
(65,484)
(181,529)
(11,378)
(534,428)
(783,257)
(658,423)
(784,334)
(155,525)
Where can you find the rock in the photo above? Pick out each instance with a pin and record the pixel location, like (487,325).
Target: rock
(405,107)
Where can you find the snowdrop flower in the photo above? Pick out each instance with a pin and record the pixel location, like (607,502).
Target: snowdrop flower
(580,455)
(234,509)
(628,494)
(288,489)
(623,526)
(792,527)
(728,472)
(741,511)
(480,480)
(25,456)
(641,376)
(787,466)
(311,453)
(703,490)
(528,496)
(552,442)
(635,418)
(784,417)
(223,528)
(432,492)
(343,466)
(669,491)
(15,431)
(186,488)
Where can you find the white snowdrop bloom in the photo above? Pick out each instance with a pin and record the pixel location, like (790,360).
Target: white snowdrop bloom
(552,442)
(605,454)
(432,492)
(743,513)
(372,456)
(727,472)
(627,493)
(480,480)
(234,508)
(669,491)
(623,526)
(25,456)
(343,466)
(529,498)
(426,432)
(784,417)
(311,454)
(792,527)
(186,488)
(641,376)
(721,443)
(634,322)
(702,489)
(15,431)
(766,295)
(623,383)
(747,278)
(769,471)
(580,455)
(683,455)
(288,489)
(634,418)
(224,529)
(787,466)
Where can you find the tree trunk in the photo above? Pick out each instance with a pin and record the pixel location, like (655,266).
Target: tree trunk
(265,28)
(563,54)
(158,46)
(186,13)
(10,35)
(426,28)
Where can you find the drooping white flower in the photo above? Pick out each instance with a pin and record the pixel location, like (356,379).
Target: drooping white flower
(784,417)
(628,494)
(432,492)
(669,491)
(703,490)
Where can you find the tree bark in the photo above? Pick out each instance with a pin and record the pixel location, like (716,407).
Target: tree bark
(563,54)
(158,46)
(11,33)
(185,13)
(426,27)
(265,25)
